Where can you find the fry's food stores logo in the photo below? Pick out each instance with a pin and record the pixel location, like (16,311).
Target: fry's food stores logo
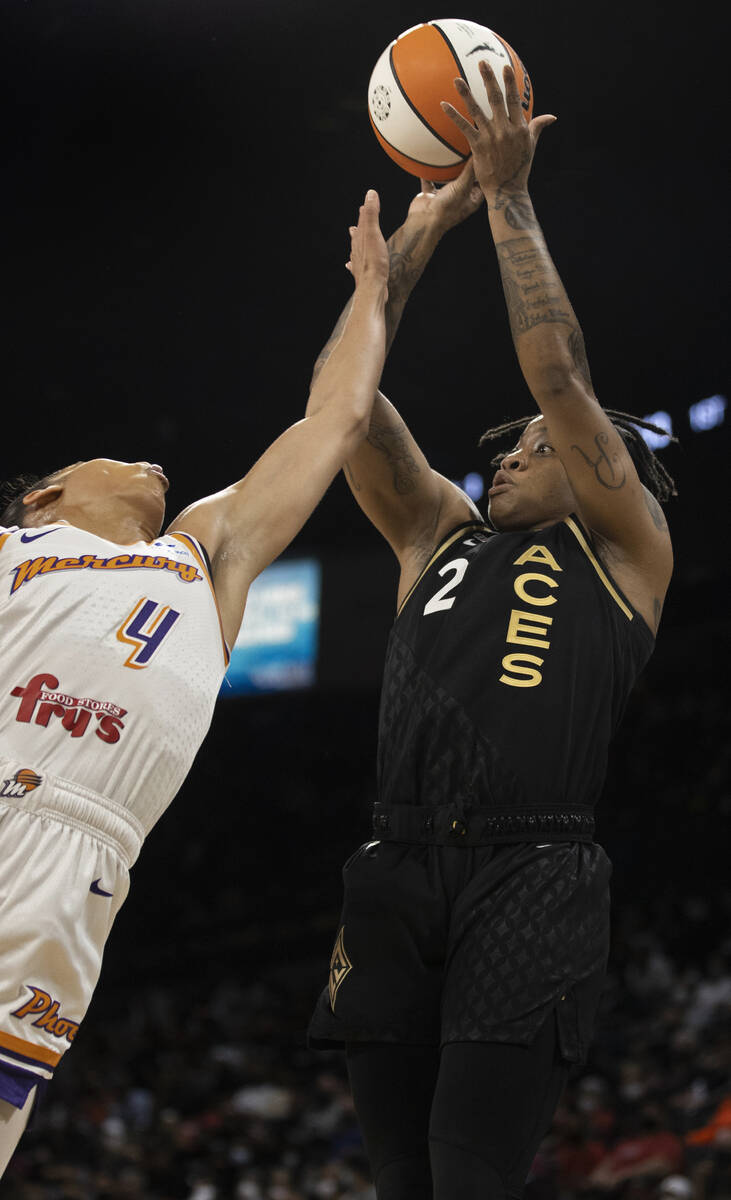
(39,697)
(24,780)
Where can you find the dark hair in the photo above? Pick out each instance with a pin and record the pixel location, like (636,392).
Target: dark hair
(649,468)
(12,491)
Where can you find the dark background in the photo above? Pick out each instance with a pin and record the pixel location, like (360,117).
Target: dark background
(178,179)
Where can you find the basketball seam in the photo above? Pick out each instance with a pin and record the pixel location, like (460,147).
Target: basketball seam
(424,122)
(419,162)
(515,63)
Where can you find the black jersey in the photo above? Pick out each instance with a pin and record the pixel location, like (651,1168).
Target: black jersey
(508,668)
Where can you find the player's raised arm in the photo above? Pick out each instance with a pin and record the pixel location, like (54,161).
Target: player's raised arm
(389,476)
(247,525)
(547,336)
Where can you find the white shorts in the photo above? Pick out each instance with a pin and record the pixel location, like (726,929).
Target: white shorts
(64,874)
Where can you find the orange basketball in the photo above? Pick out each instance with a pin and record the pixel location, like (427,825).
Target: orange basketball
(415,73)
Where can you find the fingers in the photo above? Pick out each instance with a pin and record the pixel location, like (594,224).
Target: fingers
(538,124)
(492,87)
(463,125)
(512,98)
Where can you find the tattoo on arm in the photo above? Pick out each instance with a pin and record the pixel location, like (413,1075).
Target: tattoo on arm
(403,274)
(390,440)
(331,341)
(655,511)
(519,212)
(603,466)
(533,291)
(406,266)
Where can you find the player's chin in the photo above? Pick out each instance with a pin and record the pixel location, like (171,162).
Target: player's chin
(502,514)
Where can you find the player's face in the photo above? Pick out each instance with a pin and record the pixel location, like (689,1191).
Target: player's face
(531,488)
(102,483)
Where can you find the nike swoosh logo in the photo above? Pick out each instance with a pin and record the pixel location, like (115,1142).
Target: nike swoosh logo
(94,887)
(33,537)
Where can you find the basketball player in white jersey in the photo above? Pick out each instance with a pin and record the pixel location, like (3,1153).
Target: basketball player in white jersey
(114,646)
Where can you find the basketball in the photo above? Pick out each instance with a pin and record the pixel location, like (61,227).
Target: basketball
(417,71)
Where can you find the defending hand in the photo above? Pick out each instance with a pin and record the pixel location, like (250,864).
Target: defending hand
(368,262)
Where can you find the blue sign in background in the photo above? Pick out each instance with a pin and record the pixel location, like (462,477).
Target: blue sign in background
(276,649)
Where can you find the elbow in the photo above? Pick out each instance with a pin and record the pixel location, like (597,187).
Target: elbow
(561,379)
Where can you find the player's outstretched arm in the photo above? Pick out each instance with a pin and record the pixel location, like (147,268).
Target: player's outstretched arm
(249,524)
(548,338)
(389,476)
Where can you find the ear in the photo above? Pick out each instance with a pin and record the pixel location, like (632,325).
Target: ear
(42,498)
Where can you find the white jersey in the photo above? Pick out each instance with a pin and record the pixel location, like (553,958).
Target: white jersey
(112,659)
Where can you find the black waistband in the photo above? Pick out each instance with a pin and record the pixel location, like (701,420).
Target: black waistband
(449,826)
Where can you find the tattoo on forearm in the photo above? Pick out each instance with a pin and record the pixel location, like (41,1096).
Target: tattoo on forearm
(604,465)
(391,441)
(403,274)
(519,212)
(533,291)
(655,511)
(331,341)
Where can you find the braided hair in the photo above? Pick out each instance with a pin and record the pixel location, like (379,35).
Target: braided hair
(652,473)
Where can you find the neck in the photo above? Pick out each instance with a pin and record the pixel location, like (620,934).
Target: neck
(123,528)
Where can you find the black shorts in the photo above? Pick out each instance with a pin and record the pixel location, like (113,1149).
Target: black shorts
(442,944)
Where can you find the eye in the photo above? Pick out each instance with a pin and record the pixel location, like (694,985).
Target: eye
(542,447)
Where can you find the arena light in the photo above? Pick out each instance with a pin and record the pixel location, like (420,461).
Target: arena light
(657,440)
(473,485)
(708,413)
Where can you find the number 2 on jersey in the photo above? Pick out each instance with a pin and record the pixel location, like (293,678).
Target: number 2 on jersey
(144,629)
(438,601)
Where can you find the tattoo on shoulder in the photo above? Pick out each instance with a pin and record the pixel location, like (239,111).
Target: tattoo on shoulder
(391,441)
(655,511)
(607,467)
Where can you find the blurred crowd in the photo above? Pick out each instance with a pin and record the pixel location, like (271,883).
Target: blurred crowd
(180,1092)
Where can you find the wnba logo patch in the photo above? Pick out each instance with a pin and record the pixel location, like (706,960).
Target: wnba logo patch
(340,966)
(24,780)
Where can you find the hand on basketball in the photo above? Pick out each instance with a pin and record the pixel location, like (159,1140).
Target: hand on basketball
(502,146)
(451,203)
(368,262)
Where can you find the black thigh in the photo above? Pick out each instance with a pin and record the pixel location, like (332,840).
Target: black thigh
(392,1088)
(492,1105)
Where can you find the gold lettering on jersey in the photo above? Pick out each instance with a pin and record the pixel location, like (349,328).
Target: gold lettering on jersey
(530,598)
(538,554)
(517,664)
(526,628)
(27,570)
(523,634)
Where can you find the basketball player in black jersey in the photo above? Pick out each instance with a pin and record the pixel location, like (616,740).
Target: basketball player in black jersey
(474,934)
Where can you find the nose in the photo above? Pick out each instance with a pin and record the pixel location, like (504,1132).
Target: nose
(513,461)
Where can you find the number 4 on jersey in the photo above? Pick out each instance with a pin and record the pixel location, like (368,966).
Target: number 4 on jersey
(438,602)
(145,628)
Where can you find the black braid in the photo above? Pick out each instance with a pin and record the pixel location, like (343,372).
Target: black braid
(649,468)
